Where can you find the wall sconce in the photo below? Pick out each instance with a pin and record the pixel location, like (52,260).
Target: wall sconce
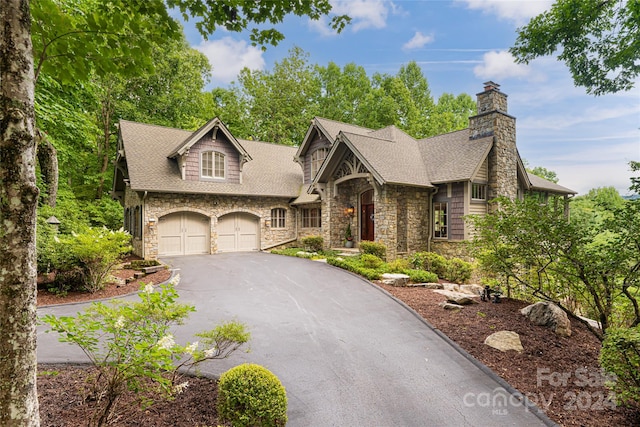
(152,222)
(350,210)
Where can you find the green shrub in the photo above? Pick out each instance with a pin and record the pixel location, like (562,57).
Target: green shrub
(71,280)
(430,261)
(250,395)
(458,271)
(96,251)
(139,264)
(355,266)
(399,265)
(313,243)
(620,356)
(421,276)
(370,261)
(374,248)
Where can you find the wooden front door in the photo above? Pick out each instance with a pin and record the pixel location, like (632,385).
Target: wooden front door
(366,216)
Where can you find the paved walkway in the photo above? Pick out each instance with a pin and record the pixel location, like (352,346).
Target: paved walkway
(347,353)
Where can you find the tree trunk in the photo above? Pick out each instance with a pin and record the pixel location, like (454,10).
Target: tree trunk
(48,160)
(18,201)
(104,150)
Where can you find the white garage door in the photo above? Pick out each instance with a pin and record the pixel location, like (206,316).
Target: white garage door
(183,233)
(238,232)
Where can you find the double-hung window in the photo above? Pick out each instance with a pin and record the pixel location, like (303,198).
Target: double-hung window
(440,220)
(278,216)
(317,157)
(311,218)
(212,165)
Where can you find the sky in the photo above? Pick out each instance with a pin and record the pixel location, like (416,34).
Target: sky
(460,44)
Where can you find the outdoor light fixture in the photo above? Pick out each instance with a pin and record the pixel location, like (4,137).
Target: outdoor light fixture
(350,210)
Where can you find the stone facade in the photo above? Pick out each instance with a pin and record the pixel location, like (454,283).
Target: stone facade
(157,205)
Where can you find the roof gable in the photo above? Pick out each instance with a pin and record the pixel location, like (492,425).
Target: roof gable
(330,129)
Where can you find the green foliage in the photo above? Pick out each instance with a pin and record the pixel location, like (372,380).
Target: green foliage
(313,243)
(544,173)
(597,40)
(399,265)
(95,251)
(130,344)
(620,357)
(139,264)
(458,270)
(355,266)
(430,261)
(370,261)
(374,248)
(250,395)
(421,276)
(347,233)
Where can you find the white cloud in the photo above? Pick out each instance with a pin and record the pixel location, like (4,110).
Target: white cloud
(519,12)
(228,56)
(364,14)
(417,41)
(498,65)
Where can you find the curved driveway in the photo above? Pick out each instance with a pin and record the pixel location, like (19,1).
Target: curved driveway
(347,353)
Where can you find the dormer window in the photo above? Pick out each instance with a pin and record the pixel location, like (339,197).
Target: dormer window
(212,165)
(317,157)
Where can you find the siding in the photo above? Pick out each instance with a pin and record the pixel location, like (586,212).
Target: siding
(455,208)
(319,141)
(221,144)
(483,172)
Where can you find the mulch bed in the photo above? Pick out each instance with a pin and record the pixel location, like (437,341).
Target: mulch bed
(560,375)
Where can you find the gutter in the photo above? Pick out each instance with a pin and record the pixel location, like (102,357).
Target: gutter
(430,238)
(143,216)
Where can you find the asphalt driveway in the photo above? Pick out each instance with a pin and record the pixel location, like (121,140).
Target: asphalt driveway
(347,353)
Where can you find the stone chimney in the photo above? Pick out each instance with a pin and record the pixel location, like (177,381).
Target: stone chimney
(492,120)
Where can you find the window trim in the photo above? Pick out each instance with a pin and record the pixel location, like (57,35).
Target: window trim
(437,231)
(316,163)
(278,218)
(483,188)
(309,220)
(214,159)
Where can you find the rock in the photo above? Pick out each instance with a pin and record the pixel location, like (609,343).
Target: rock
(321,260)
(471,289)
(548,314)
(504,341)
(457,297)
(432,285)
(450,306)
(395,279)
(451,287)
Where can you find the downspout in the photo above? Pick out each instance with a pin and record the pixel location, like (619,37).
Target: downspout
(433,193)
(143,220)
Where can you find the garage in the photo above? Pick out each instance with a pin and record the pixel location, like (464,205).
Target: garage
(183,233)
(237,232)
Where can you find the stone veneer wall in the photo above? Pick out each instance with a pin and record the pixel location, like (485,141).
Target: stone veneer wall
(212,206)
(449,249)
(131,200)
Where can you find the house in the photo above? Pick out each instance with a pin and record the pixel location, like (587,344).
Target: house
(206,191)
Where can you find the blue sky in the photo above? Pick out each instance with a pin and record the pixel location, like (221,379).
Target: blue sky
(588,141)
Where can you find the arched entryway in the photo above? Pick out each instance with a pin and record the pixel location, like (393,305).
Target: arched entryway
(238,231)
(184,233)
(367,216)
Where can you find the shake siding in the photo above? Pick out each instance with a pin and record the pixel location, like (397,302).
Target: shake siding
(319,141)
(456,212)
(232,164)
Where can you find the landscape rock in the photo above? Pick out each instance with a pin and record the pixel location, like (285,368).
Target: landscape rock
(450,306)
(395,279)
(471,289)
(504,341)
(432,285)
(548,314)
(451,287)
(457,297)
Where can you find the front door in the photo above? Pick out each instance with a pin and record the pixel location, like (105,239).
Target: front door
(366,216)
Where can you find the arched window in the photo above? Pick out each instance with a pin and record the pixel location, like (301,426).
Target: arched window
(317,157)
(212,165)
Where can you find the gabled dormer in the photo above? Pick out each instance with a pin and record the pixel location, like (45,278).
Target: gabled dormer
(211,153)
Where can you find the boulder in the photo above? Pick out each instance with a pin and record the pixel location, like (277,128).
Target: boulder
(450,306)
(451,287)
(471,289)
(457,297)
(504,341)
(395,279)
(432,285)
(550,315)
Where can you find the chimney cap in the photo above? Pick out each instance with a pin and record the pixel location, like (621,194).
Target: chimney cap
(491,85)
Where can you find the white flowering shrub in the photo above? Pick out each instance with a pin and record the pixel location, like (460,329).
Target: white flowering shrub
(131,345)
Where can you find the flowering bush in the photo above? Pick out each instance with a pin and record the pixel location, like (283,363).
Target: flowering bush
(130,344)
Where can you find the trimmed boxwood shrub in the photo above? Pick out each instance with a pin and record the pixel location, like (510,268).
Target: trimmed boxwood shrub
(620,356)
(421,276)
(373,248)
(370,261)
(355,266)
(430,261)
(313,243)
(250,395)
(458,271)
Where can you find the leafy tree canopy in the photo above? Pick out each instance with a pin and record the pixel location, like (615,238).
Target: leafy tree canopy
(599,40)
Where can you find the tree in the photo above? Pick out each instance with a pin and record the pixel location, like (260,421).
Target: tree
(545,173)
(18,190)
(18,201)
(451,113)
(599,40)
(342,91)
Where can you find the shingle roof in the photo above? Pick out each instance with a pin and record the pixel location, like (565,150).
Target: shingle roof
(333,128)
(542,184)
(452,156)
(272,171)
